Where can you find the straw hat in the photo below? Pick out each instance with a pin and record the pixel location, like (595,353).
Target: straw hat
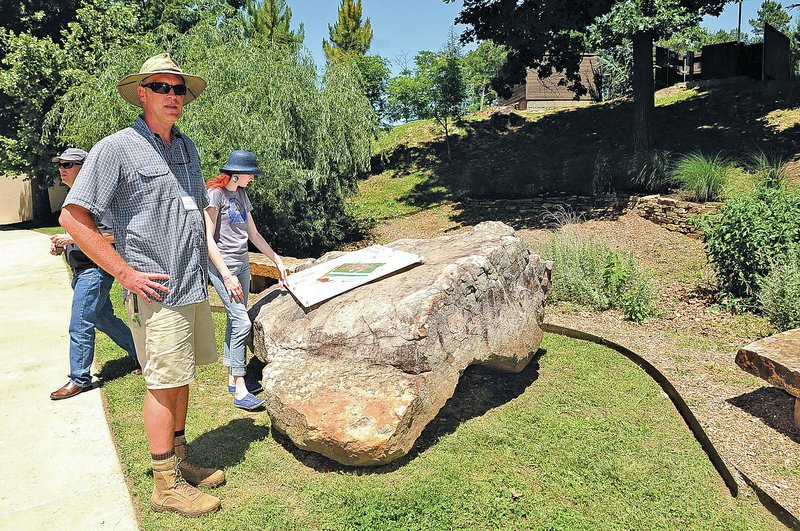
(159,64)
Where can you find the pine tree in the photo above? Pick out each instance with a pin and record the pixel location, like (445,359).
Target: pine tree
(349,37)
(271,20)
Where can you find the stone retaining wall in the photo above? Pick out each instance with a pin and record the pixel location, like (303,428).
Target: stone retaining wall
(673,214)
(552,211)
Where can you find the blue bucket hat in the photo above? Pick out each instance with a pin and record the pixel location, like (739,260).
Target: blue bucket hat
(241,161)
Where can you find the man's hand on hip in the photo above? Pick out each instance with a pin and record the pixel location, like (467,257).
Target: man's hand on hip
(144,284)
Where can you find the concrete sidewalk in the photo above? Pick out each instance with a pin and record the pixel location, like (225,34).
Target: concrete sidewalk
(59,466)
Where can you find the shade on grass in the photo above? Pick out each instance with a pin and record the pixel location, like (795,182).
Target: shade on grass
(581,439)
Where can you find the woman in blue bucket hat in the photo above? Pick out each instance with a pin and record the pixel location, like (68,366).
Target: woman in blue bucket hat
(229,209)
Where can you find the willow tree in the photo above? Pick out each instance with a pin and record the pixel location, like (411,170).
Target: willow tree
(311,138)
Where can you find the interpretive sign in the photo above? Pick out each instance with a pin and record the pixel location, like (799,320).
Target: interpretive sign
(324,281)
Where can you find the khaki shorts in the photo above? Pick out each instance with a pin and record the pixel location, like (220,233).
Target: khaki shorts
(170,341)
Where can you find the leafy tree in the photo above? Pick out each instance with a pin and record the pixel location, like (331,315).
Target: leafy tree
(32,65)
(433,90)
(695,37)
(349,37)
(771,13)
(794,45)
(271,19)
(550,35)
(375,73)
(311,138)
(40,18)
(183,14)
(481,65)
(448,93)
(37,71)
(403,95)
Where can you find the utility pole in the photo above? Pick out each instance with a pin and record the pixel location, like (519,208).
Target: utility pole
(739,26)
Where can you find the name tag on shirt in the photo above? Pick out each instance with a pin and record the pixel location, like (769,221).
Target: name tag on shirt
(188,202)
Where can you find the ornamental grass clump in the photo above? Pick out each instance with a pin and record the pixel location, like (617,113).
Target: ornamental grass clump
(702,176)
(769,167)
(591,274)
(650,171)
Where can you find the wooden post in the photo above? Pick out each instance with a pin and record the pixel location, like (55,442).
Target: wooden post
(797,412)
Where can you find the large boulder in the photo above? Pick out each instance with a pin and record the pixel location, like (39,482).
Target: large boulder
(358,378)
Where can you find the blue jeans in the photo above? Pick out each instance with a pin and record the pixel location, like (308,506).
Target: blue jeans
(92,308)
(237,327)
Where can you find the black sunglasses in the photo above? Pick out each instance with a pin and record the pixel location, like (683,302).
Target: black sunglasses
(160,87)
(68,165)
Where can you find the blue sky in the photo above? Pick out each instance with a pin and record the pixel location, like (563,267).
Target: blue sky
(409,26)
(728,19)
(397,26)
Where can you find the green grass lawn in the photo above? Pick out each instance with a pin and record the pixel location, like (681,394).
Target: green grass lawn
(58,229)
(581,439)
(387,196)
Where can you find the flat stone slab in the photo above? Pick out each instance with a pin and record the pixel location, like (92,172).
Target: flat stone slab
(358,378)
(775,359)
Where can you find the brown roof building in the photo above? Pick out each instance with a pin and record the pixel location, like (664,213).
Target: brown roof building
(541,94)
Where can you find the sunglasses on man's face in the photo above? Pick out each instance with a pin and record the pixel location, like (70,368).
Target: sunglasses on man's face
(68,165)
(160,87)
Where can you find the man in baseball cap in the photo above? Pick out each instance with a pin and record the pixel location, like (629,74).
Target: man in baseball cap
(148,176)
(91,306)
(71,155)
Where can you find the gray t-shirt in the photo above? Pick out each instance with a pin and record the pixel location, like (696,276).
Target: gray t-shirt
(230,234)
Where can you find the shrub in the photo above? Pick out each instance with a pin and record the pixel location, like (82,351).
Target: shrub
(638,299)
(753,231)
(591,274)
(703,176)
(780,292)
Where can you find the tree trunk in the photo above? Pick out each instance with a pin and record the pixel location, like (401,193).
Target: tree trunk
(447,137)
(40,200)
(643,88)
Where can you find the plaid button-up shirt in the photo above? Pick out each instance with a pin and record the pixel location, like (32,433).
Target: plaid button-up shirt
(156,195)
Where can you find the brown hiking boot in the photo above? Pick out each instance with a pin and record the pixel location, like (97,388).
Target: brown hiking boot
(197,475)
(172,493)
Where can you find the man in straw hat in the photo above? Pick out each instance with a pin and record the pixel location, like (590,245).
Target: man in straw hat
(148,176)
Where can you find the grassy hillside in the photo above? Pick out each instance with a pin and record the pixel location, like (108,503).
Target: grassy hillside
(561,151)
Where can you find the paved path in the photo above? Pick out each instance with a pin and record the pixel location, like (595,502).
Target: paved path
(60,469)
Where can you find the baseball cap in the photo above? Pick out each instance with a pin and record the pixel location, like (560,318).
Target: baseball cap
(71,155)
